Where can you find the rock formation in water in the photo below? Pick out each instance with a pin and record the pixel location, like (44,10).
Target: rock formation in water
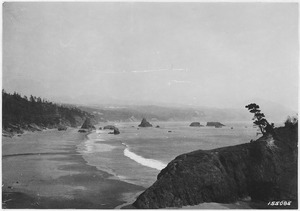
(214,124)
(145,123)
(115,132)
(109,127)
(265,170)
(195,124)
(88,125)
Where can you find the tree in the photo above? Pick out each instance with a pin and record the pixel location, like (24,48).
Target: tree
(259,119)
(291,121)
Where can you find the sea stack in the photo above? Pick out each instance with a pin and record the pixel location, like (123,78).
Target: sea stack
(214,124)
(195,124)
(116,131)
(109,127)
(88,125)
(145,123)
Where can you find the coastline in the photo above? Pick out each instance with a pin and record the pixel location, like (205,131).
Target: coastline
(44,170)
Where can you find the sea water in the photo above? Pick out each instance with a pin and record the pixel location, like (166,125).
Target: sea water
(137,155)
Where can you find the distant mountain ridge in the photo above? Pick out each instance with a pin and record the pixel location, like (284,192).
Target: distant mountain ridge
(127,113)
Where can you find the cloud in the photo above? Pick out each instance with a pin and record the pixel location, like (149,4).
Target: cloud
(175,81)
(144,71)
(178,82)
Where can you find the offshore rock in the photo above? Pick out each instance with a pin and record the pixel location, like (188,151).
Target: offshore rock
(115,132)
(109,127)
(195,124)
(145,123)
(214,124)
(265,170)
(88,125)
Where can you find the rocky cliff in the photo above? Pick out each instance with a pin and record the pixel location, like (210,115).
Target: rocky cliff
(265,170)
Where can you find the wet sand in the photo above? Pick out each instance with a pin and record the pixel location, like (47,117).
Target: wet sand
(44,170)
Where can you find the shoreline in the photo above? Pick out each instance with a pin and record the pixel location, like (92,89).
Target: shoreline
(55,175)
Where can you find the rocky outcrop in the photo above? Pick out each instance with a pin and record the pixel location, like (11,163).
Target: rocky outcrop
(116,131)
(109,127)
(145,123)
(88,125)
(82,131)
(62,127)
(214,124)
(265,170)
(195,124)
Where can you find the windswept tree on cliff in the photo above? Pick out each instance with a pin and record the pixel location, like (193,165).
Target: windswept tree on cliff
(260,120)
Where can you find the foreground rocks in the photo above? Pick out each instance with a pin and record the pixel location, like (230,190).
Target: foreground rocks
(145,123)
(265,170)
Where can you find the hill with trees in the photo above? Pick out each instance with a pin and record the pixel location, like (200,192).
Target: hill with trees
(34,113)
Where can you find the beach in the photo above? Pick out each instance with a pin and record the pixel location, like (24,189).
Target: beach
(45,170)
(67,169)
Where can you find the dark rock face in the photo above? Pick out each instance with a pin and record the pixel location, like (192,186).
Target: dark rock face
(214,124)
(111,127)
(116,131)
(195,124)
(145,123)
(88,125)
(265,170)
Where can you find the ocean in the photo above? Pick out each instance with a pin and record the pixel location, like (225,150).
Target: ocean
(137,155)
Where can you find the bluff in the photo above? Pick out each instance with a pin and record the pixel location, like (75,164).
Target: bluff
(35,114)
(265,170)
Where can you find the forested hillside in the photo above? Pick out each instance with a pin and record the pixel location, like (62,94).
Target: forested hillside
(25,112)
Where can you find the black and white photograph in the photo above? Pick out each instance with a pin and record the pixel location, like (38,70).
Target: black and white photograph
(150,105)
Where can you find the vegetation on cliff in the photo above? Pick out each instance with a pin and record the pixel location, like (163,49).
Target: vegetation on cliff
(20,113)
(264,170)
(260,120)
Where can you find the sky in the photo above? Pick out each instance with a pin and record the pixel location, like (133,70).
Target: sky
(203,54)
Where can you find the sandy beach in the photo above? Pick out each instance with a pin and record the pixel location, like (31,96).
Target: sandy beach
(44,170)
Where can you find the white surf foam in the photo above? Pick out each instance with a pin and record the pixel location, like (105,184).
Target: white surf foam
(151,163)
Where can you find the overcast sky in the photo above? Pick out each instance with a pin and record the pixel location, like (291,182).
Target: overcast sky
(210,54)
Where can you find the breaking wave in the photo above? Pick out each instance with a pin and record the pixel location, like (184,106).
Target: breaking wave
(151,163)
